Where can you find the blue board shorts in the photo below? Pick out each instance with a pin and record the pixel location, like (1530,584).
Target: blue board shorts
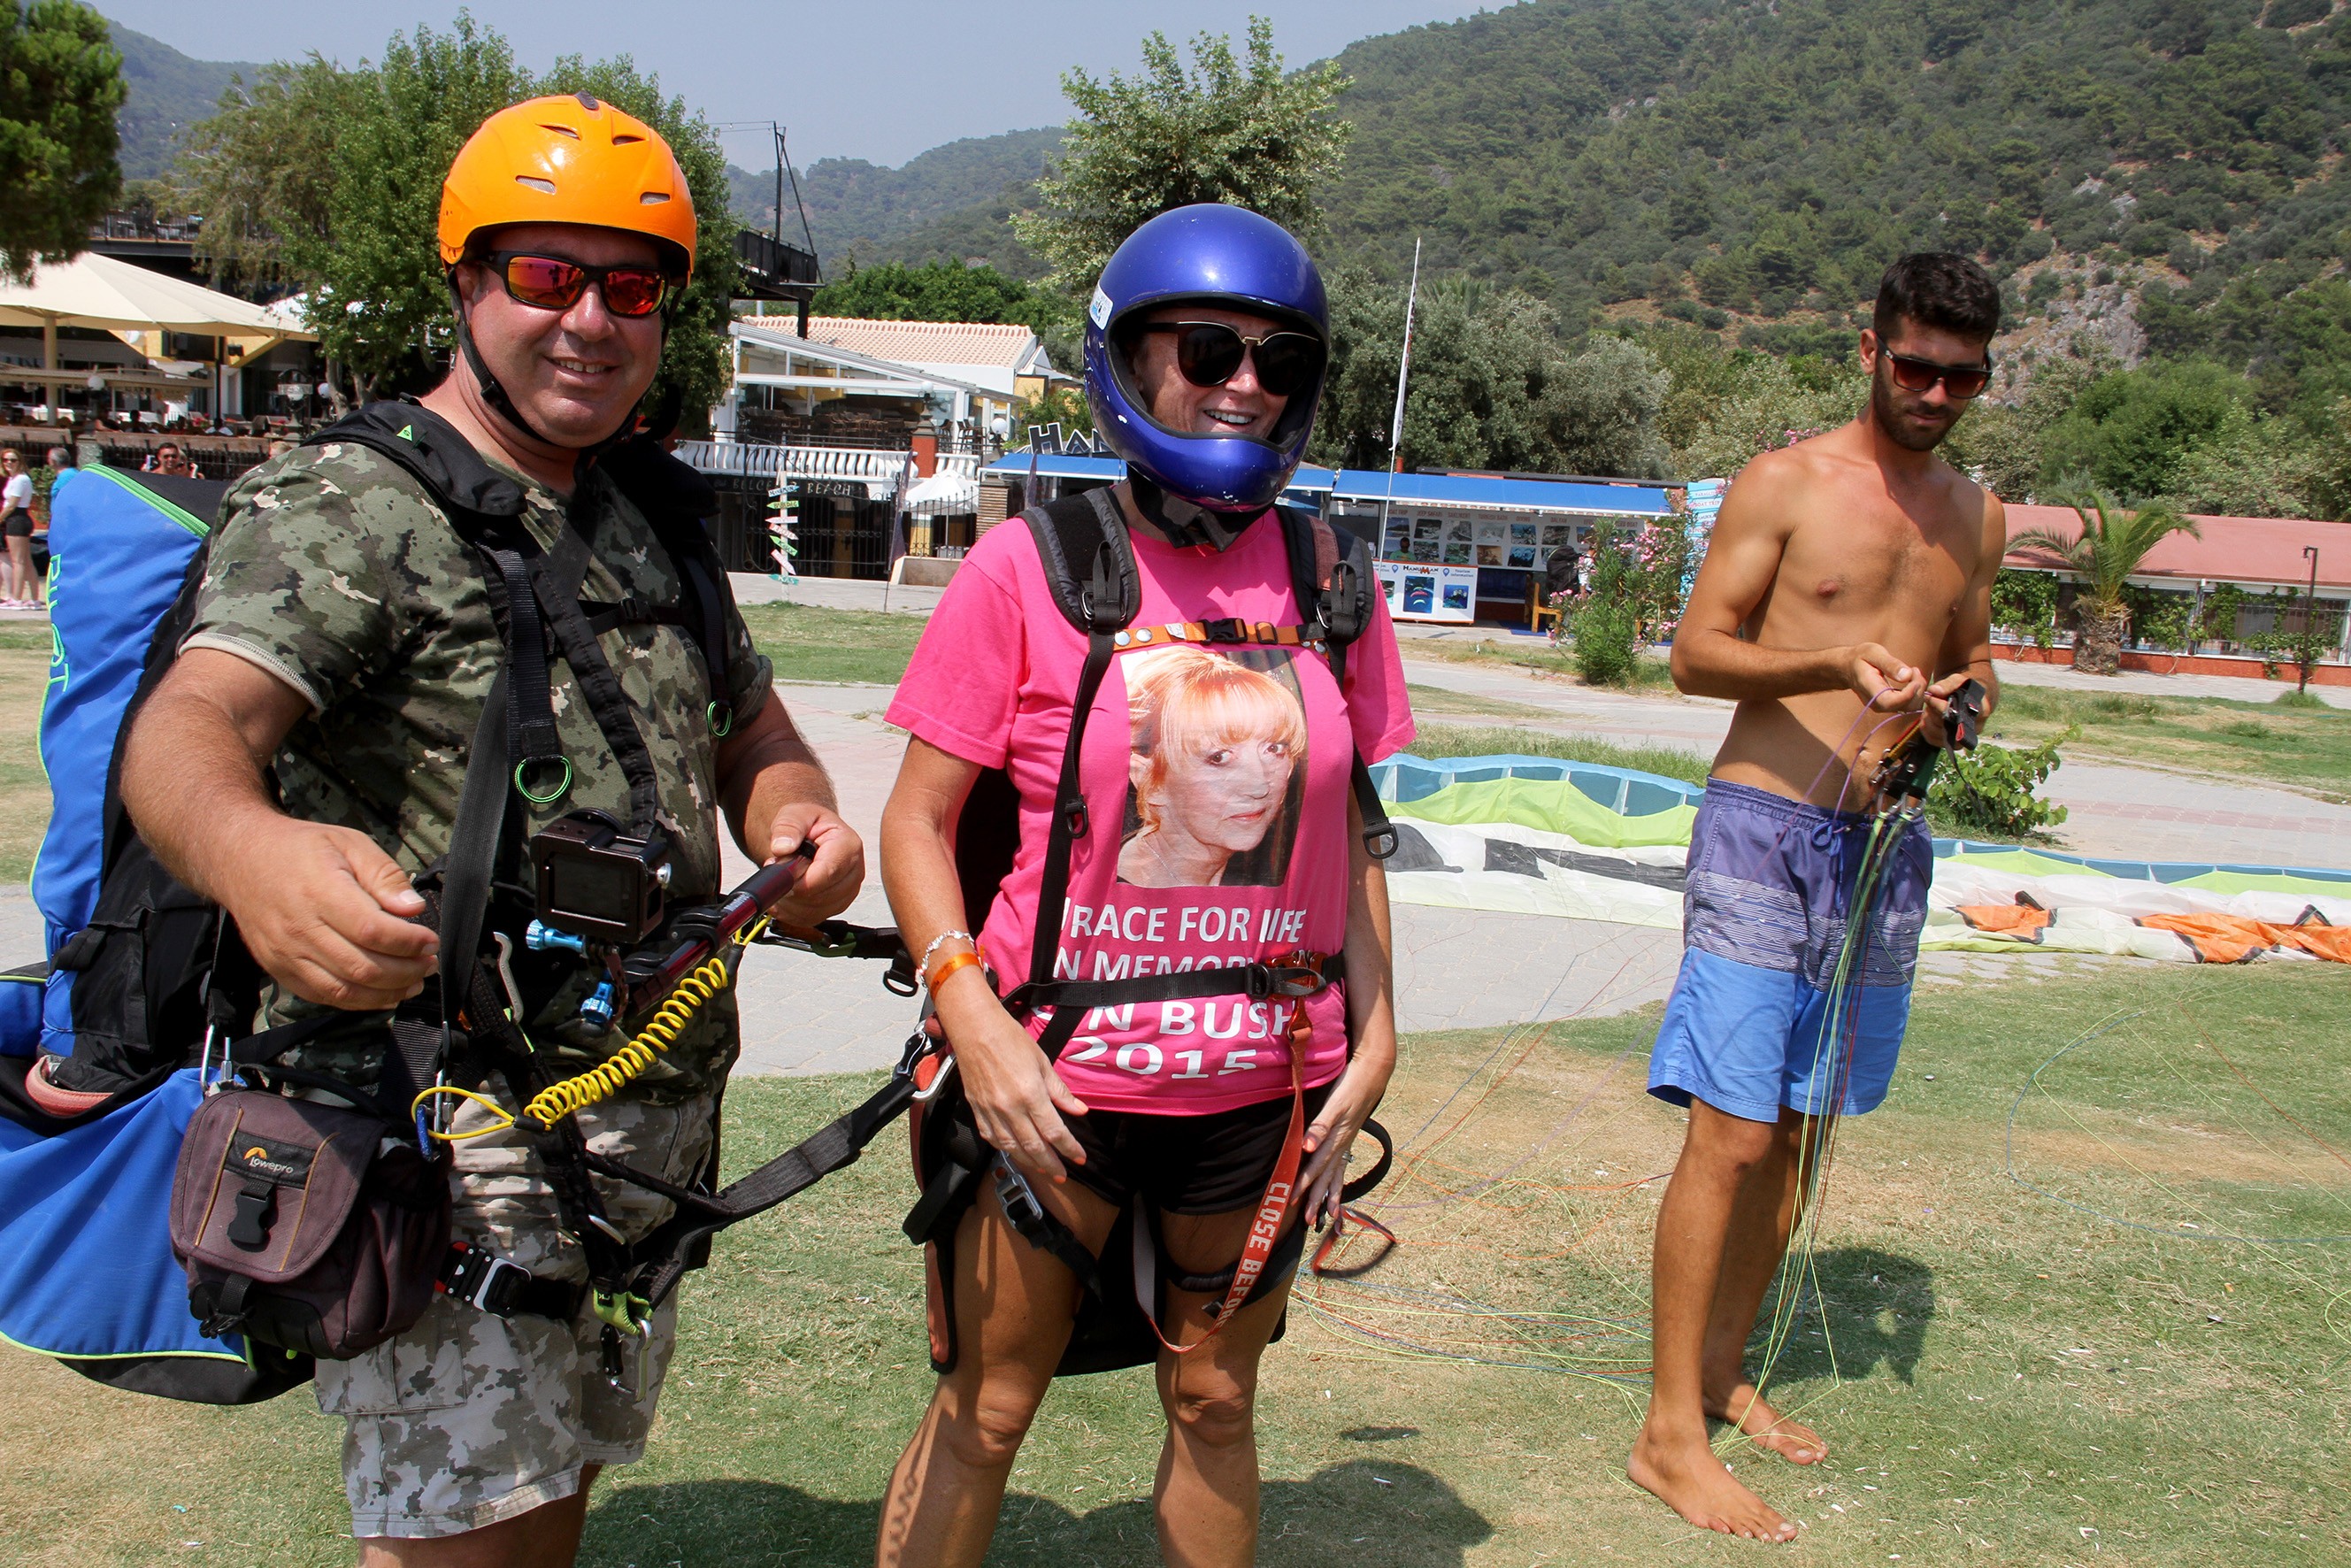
(1763,921)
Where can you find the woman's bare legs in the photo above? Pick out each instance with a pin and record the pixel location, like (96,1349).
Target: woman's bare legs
(1207,1496)
(1014,1308)
(23,582)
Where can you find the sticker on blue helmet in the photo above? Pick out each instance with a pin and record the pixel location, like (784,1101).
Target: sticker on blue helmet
(1098,308)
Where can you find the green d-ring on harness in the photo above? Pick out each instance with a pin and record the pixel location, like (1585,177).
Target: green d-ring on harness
(562,788)
(624,1309)
(722,719)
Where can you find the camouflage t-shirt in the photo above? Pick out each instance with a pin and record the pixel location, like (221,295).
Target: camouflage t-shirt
(332,569)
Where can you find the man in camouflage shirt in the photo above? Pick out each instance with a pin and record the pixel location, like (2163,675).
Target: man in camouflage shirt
(342,647)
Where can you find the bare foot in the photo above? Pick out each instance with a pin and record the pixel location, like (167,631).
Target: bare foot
(1690,1480)
(1791,1440)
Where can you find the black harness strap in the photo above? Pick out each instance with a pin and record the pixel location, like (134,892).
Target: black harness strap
(711,632)
(1110,598)
(666,1255)
(556,578)
(1327,574)
(530,733)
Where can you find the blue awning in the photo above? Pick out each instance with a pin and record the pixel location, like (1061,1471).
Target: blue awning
(1050,466)
(1014,465)
(1404,489)
(1502,495)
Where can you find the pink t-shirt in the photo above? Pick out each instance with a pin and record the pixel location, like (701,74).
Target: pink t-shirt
(1218,780)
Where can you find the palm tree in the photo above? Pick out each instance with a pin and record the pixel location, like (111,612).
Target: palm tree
(2102,557)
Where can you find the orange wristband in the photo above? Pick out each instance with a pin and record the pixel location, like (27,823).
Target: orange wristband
(948,965)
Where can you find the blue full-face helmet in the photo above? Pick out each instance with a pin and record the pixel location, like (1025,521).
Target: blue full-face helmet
(1205,255)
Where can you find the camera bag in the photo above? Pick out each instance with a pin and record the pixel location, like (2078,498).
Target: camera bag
(311,1227)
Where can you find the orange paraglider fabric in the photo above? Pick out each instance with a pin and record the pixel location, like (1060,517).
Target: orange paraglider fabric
(2234,938)
(2024,921)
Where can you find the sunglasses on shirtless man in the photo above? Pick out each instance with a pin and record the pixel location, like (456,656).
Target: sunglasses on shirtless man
(1961,382)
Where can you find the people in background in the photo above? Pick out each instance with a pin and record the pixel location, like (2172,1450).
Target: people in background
(1560,575)
(60,461)
(19,589)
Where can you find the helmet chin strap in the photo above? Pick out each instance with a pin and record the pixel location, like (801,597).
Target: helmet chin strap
(496,395)
(1182,522)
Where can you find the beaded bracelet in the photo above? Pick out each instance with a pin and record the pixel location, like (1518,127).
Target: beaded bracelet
(943,936)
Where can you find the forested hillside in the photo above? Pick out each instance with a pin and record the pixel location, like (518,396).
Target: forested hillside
(1760,162)
(168,91)
(950,202)
(2162,173)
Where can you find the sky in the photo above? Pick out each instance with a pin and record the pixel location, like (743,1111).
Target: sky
(880,79)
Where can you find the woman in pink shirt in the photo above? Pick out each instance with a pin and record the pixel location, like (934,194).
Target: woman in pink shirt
(1177,1002)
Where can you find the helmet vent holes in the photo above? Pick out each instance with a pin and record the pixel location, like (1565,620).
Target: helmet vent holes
(544,187)
(562,130)
(589,104)
(653,198)
(624,140)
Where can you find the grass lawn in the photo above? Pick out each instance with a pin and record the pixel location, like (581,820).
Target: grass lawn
(2276,739)
(2002,1378)
(23,787)
(1650,672)
(1487,740)
(814,642)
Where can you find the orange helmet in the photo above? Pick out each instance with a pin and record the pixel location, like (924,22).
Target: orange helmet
(567,160)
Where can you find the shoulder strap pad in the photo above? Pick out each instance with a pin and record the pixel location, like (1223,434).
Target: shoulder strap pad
(429,448)
(1089,560)
(663,485)
(674,498)
(1330,573)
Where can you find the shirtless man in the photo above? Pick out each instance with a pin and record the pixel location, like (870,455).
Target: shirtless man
(1847,586)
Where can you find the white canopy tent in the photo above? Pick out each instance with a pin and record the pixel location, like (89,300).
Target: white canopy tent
(131,302)
(942,494)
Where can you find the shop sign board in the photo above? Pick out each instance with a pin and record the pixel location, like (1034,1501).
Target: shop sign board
(1417,591)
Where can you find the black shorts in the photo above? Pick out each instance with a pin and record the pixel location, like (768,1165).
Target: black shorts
(16,525)
(1186,1164)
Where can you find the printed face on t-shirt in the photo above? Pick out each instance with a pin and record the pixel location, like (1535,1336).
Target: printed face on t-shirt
(1216,762)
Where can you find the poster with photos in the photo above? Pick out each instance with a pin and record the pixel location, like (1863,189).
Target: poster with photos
(1416,592)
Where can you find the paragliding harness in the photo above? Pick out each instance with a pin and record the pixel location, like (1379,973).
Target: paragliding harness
(319,1224)
(1120,1311)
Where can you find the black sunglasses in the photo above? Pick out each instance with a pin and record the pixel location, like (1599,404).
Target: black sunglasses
(1962,382)
(556,283)
(1210,353)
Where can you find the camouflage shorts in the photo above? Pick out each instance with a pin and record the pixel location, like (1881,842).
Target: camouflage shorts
(467,1420)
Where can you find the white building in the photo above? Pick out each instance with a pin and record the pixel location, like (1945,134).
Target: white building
(873,383)
(846,419)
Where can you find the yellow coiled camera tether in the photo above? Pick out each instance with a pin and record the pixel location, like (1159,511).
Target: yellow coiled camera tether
(608,1077)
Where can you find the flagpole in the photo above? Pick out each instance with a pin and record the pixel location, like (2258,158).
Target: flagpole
(1404,375)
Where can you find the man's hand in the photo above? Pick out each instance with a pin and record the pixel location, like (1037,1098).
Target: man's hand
(1935,726)
(1882,681)
(833,877)
(331,917)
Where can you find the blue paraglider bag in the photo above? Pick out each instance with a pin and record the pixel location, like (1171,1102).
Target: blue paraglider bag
(87,1269)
